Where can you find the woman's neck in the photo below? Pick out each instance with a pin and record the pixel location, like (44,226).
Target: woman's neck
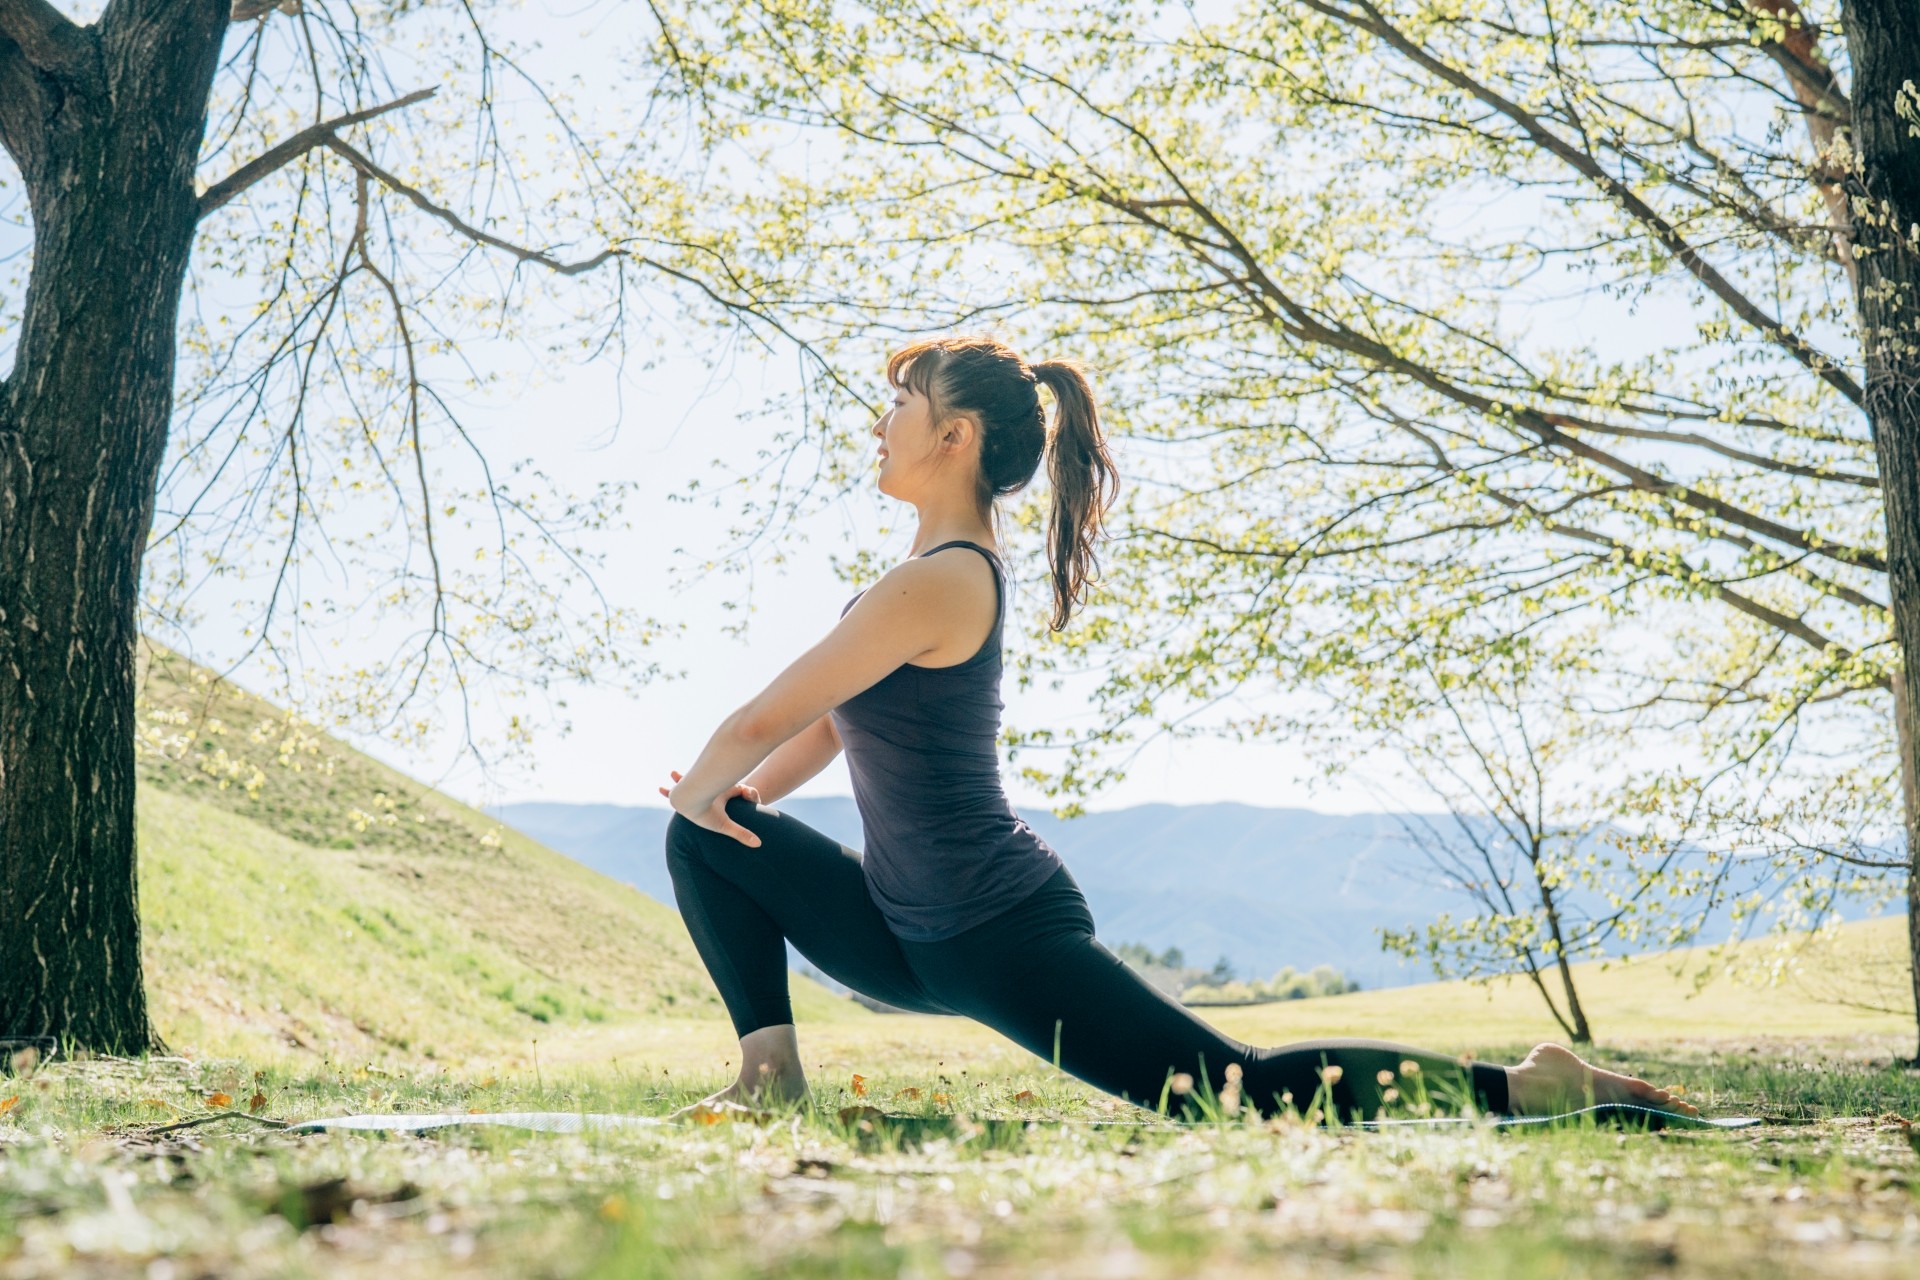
(938,525)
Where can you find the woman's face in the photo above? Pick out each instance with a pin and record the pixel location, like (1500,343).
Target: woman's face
(911,451)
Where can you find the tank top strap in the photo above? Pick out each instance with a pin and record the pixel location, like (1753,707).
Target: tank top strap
(992,559)
(999,592)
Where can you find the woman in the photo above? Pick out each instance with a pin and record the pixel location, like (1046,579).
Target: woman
(957,907)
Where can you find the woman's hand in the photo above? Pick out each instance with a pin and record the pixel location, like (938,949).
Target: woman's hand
(715,816)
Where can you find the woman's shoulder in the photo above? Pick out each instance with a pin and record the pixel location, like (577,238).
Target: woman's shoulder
(943,568)
(952,589)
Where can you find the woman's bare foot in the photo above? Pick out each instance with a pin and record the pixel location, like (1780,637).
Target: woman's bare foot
(773,1088)
(1555,1079)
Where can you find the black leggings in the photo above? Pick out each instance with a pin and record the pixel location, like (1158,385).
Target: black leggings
(1035,973)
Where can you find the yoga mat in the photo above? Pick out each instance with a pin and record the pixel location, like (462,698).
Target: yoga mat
(1629,1114)
(544,1121)
(1622,1113)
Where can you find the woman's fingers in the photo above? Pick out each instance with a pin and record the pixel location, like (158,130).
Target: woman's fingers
(740,833)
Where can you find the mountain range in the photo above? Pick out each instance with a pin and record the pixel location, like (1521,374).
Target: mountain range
(1262,887)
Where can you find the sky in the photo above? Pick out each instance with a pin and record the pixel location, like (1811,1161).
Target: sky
(662,426)
(620,747)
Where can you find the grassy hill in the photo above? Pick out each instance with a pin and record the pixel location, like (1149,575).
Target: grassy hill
(302,899)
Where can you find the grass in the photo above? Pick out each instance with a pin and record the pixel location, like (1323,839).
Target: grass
(324,964)
(1059,1182)
(301,900)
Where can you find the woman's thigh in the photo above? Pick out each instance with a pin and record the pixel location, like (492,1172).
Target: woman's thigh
(814,889)
(1037,974)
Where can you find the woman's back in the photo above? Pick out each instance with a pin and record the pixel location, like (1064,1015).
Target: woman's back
(944,849)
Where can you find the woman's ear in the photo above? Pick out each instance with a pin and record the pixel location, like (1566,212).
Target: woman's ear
(959,432)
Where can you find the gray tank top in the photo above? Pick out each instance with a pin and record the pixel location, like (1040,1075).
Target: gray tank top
(944,849)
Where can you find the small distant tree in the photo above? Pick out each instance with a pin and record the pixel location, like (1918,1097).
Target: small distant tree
(1167,970)
(1497,755)
(1287,984)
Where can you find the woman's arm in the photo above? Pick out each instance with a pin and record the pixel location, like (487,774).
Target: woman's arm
(800,757)
(911,611)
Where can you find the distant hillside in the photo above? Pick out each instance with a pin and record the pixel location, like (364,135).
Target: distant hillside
(299,897)
(1263,887)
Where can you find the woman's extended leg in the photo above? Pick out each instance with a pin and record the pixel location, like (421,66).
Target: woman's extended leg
(741,904)
(1037,974)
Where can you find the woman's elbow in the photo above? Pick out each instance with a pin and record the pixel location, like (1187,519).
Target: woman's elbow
(757,726)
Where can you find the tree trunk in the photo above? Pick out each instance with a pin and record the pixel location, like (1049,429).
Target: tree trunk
(1579,1030)
(1883,41)
(83,426)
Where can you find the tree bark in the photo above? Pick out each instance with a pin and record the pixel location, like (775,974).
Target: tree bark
(1883,41)
(109,175)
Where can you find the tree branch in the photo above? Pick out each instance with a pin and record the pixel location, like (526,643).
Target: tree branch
(250,10)
(47,38)
(1763,461)
(298,145)
(537,257)
(23,111)
(1370,19)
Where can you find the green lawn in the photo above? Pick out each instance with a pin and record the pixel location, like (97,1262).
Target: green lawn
(301,901)
(324,963)
(1061,1182)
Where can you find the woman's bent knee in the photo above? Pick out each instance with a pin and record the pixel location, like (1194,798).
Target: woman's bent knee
(683,838)
(686,839)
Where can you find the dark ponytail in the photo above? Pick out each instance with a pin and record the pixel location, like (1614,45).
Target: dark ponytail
(987,379)
(1085,483)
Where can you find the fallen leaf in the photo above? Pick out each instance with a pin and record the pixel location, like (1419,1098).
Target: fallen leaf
(941,1097)
(724,1112)
(7,1104)
(859,1086)
(1025,1095)
(911,1091)
(476,1111)
(257,1101)
(219,1099)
